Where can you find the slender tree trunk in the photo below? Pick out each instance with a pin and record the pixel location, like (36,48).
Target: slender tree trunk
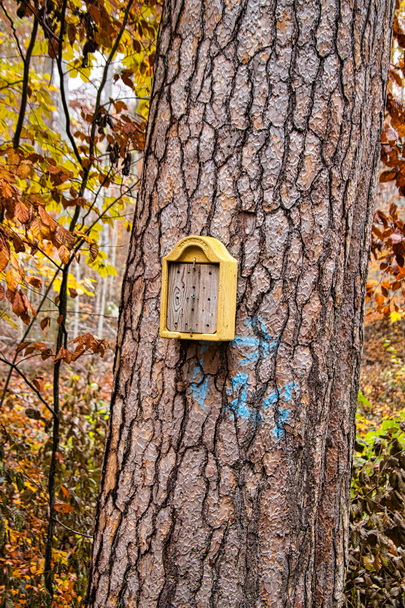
(227,468)
(76,323)
(104,242)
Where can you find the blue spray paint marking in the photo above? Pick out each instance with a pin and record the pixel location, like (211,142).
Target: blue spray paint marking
(247,341)
(284,393)
(239,387)
(204,346)
(199,387)
(281,415)
(261,344)
(199,384)
(265,339)
(281,418)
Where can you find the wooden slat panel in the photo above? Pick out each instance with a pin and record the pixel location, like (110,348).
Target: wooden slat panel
(193,298)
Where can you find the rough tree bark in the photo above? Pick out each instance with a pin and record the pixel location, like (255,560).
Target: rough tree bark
(226,477)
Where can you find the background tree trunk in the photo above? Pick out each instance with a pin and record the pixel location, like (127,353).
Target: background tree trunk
(227,469)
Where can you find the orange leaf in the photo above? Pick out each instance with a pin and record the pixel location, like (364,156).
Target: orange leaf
(23,171)
(63,253)
(65,491)
(63,507)
(46,219)
(4,253)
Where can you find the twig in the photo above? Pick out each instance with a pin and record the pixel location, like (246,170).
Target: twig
(10,84)
(71,530)
(9,19)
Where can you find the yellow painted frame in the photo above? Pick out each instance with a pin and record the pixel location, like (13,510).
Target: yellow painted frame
(204,249)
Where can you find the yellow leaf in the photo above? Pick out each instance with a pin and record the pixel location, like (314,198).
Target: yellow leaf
(395,316)
(13,278)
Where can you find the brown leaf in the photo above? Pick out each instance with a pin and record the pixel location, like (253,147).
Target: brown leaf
(31,412)
(2,292)
(22,213)
(45,322)
(18,304)
(63,253)
(39,382)
(72,292)
(21,347)
(4,253)
(46,219)
(52,48)
(63,237)
(80,201)
(35,282)
(71,33)
(387,176)
(93,250)
(63,355)
(18,244)
(40,345)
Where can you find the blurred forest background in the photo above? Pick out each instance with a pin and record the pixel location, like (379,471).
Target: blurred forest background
(75,79)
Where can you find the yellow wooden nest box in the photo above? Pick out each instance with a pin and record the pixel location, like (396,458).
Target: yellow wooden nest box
(198,299)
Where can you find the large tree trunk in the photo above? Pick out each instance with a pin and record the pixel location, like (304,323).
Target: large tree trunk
(227,470)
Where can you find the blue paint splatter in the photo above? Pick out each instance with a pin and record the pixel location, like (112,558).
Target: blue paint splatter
(204,346)
(199,387)
(284,393)
(261,344)
(287,390)
(281,418)
(239,403)
(281,415)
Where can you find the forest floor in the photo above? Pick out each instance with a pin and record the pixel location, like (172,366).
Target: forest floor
(382,384)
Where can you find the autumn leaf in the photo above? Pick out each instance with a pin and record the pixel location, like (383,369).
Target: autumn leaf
(4,253)
(21,306)
(13,278)
(45,322)
(93,250)
(63,253)
(38,382)
(21,346)
(63,355)
(63,507)
(35,282)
